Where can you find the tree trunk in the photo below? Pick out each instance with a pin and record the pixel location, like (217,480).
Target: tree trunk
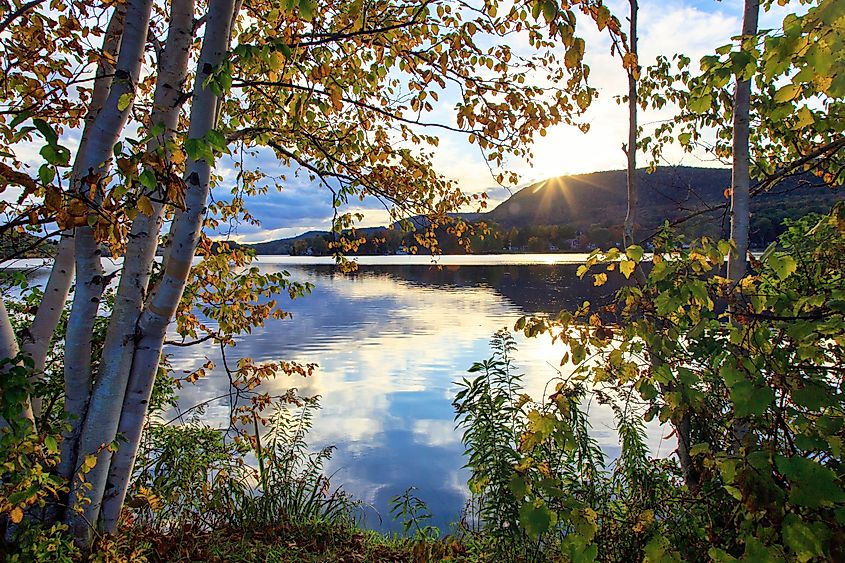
(80,329)
(38,337)
(631,149)
(9,349)
(105,131)
(740,182)
(104,415)
(143,241)
(55,295)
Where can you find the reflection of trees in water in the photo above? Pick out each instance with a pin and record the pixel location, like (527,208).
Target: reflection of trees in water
(536,288)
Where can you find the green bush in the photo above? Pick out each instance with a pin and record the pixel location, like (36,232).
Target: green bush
(749,377)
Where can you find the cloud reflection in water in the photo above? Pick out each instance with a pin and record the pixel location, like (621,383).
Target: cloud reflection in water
(390,342)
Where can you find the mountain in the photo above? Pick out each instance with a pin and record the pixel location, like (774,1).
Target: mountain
(592,207)
(287,245)
(669,193)
(15,245)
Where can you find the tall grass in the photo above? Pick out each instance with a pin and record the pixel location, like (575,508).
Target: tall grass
(193,476)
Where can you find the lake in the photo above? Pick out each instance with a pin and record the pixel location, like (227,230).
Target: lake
(390,341)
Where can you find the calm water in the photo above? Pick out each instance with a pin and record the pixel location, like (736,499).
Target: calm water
(390,341)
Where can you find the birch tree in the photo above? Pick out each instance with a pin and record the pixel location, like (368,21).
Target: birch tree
(631,146)
(740,177)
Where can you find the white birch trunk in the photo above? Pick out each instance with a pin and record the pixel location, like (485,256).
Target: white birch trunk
(105,131)
(631,149)
(120,340)
(104,414)
(38,337)
(740,183)
(36,341)
(80,328)
(9,349)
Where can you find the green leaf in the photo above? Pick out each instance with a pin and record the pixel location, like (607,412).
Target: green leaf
(749,399)
(125,100)
(306,10)
(51,444)
(783,265)
(550,11)
(199,149)
(518,486)
(46,173)
(756,551)
(148,179)
(806,541)
(19,118)
(720,556)
(217,140)
(658,550)
(536,520)
(813,395)
(700,104)
(811,484)
(635,252)
(584,521)
(46,131)
(56,155)
(580,550)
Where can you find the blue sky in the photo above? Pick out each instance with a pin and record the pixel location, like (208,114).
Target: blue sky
(692,27)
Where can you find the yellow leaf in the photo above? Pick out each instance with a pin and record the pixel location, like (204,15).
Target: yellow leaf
(145,206)
(644,521)
(599,279)
(124,101)
(88,463)
(16,515)
(627,267)
(787,93)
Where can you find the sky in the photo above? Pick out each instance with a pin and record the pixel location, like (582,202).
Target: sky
(692,27)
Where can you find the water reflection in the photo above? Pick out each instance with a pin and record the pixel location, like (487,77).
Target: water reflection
(390,341)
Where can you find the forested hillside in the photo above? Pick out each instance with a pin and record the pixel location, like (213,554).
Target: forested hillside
(583,211)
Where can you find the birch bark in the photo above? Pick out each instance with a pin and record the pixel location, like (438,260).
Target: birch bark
(143,239)
(631,149)
(105,131)
(38,337)
(740,182)
(104,414)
